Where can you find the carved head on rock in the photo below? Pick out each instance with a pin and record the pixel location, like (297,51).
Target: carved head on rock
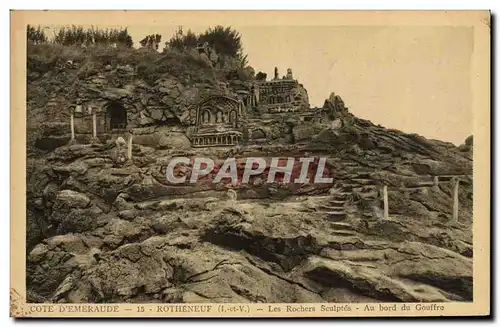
(120,142)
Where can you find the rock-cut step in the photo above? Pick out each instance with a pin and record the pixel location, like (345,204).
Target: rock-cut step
(363,181)
(344,233)
(341,226)
(362,174)
(350,164)
(336,215)
(348,188)
(341,195)
(337,203)
(327,208)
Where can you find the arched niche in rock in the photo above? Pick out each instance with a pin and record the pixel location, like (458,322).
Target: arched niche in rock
(116,116)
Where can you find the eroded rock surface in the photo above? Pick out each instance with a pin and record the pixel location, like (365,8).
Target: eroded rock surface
(208,250)
(101,229)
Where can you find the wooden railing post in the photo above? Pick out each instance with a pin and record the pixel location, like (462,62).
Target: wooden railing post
(386,203)
(455,200)
(72,122)
(94,124)
(129,148)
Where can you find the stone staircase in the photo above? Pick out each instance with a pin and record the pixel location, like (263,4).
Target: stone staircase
(356,179)
(343,229)
(356,186)
(335,207)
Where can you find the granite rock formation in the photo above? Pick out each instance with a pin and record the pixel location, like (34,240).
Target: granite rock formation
(102,232)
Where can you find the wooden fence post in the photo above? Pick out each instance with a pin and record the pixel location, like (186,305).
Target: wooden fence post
(455,200)
(72,122)
(94,125)
(386,203)
(129,148)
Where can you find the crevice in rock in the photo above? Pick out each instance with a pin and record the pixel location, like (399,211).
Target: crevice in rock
(269,272)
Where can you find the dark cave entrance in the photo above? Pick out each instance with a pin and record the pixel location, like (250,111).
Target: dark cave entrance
(116,115)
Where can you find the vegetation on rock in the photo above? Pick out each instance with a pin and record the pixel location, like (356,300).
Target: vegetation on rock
(36,35)
(224,40)
(77,35)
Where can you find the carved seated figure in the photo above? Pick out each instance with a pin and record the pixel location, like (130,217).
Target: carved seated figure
(206,117)
(219,118)
(120,155)
(232,117)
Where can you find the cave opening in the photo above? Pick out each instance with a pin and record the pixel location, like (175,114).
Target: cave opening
(116,116)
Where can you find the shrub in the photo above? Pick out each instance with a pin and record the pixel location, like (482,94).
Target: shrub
(224,40)
(151,41)
(77,35)
(176,63)
(181,41)
(36,35)
(232,69)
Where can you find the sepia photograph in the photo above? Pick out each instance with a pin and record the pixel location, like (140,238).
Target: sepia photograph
(251,163)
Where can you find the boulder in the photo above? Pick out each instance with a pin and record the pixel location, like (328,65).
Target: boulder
(78,220)
(73,199)
(38,253)
(51,129)
(367,282)
(70,243)
(74,168)
(435,266)
(50,143)
(116,93)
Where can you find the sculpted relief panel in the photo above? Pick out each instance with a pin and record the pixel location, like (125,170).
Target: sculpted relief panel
(217,112)
(217,122)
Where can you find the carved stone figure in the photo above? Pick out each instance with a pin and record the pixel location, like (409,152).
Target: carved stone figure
(120,142)
(232,117)
(121,151)
(206,117)
(151,41)
(261,76)
(258,181)
(231,194)
(219,118)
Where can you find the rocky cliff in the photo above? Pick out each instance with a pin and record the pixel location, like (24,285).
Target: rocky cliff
(102,232)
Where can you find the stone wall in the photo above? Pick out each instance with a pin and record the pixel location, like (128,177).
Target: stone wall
(83,124)
(283,95)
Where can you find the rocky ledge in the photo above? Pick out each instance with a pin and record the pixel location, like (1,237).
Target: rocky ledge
(208,250)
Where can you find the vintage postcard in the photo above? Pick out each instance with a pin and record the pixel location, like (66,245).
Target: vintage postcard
(250,163)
